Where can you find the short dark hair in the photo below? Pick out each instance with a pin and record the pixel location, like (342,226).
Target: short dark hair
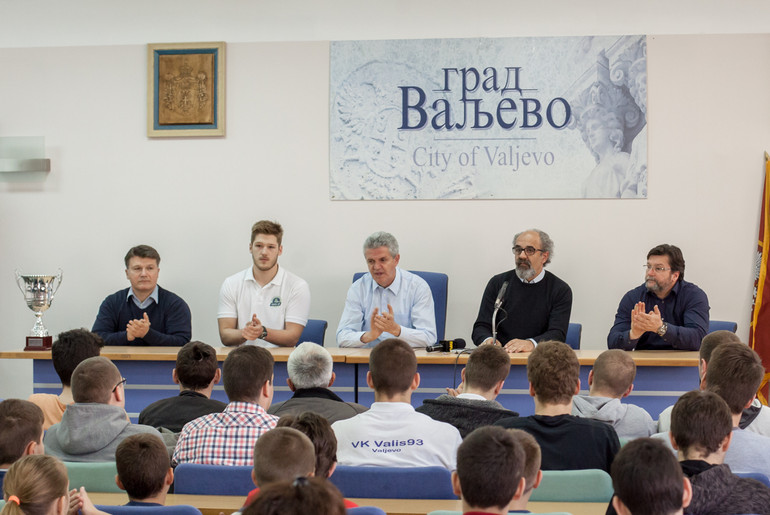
(267,227)
(700,421)
(142,462)
(196,365)
(142,251)
(487,366)
(303,495)
(554,372)
(614,371)
(734,373)
(712,340)
(70,348)
(532,453)
(490,464)
(245,371)
(647,477)
(94,380)
(281,454)
(675,258)
(393,365)
(21,422)
(320,432)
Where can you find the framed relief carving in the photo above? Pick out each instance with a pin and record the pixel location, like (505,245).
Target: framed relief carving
(185,89)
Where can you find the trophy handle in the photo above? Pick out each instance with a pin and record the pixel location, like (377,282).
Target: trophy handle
(19,280)
(58,279)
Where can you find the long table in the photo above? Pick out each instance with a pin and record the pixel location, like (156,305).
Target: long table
(662,376)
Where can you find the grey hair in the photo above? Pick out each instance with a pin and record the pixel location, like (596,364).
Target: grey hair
(382,239)
(310,366)
(545,241)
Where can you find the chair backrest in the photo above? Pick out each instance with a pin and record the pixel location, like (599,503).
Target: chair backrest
(755,475)
(574,331)
(314,331)
(439,287)
(197,479)
(98,476)
(452,512)
(177,509)
(590,485)
(722,325)
(394,482)
(366,510)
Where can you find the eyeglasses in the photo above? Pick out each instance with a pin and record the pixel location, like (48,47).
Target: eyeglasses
(121,383)
(530,251)
(658,269)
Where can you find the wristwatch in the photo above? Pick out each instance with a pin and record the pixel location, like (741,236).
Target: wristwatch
(662,329)
(264,333)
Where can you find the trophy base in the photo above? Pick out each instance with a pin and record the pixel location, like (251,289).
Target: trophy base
(39,342)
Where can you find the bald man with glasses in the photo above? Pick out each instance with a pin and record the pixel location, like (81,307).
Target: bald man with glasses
(665,312)
(534,304)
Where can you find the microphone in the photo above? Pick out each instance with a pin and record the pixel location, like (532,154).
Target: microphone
(446,345)
(499,299)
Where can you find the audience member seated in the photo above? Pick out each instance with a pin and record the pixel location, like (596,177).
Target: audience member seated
(734,373)
(755,418)
(144,313)
(144,470)
(281,454)
(392,433)
(228,438)
(92,427)
(68,350)
(310,377)
(473,404)
(21,432)
(196,373)
(320,432)
(532,472)
(648,480)
(701,429)
(612,379)
(303,495)
(37,485)
(566,442)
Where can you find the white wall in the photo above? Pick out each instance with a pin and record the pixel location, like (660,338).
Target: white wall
(75,72)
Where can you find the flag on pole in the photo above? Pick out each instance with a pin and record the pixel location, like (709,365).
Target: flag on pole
(759,333)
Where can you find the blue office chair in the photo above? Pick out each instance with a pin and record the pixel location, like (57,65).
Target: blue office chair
(589,485)
(197,479)
(366,510)
(574,331)
(755,475)
(439,286)
(722,325)
(393,482)
(314,331)
(178,509)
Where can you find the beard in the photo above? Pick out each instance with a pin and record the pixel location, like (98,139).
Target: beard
(653,286)
(524,270)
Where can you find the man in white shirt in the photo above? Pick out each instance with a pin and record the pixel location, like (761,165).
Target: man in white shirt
(392,433)
(387,302)
(263,305)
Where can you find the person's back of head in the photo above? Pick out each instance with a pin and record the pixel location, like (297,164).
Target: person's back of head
(712,340)
(144,468)
(490,469)
(701,423)
(320,432)
(309,366)
(553,371)
(487,366)
(72,347)
(532,473)
(282,454)
(734,373)
(613,374)
(36,485)
(300,496)
(95,380)
(248,374)
(196,365)
(21,430)
(392,367)
(648,480)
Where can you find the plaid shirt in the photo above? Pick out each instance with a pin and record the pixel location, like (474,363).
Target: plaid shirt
(225,438)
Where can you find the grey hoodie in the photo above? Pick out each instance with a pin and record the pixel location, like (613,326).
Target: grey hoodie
(629,420)
(90,432)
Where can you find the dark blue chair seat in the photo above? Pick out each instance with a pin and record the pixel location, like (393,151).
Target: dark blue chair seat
(314,331)
(197,479)
(394,482)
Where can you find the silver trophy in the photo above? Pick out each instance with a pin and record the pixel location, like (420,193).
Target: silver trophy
(38,291)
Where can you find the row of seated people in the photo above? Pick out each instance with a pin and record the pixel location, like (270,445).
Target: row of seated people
(268,306)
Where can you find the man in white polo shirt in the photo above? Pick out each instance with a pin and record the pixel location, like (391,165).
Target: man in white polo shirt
(263,305)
